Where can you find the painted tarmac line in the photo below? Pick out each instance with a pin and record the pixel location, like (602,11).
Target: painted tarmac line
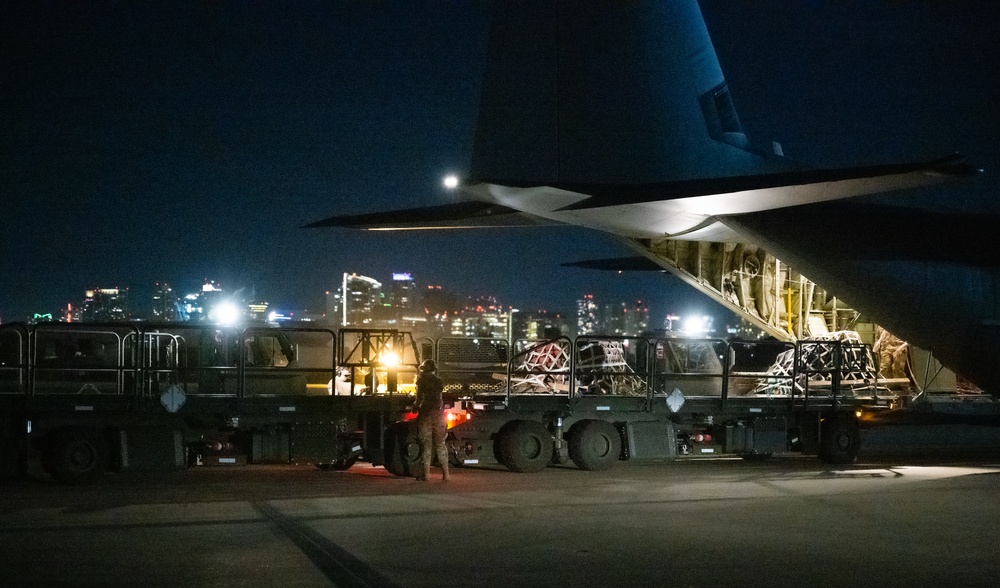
(342,568)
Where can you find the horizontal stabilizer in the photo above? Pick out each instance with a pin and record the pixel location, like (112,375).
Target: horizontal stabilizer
(458,215)
(617,264)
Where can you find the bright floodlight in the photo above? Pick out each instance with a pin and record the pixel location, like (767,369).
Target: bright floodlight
(225,313)
(390,359)
(694,325)
(451,182)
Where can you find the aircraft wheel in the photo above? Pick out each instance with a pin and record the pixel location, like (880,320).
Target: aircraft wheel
(594,445)
(524,446)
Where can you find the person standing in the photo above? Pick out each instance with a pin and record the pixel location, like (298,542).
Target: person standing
(431,425)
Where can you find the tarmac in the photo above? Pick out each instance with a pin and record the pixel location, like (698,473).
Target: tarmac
(900,516)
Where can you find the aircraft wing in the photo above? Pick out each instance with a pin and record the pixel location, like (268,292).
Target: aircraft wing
(458,215)
(686,209)
(617,264)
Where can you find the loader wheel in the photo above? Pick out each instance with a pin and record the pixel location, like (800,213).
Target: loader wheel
(338,465)
(344,463)
(524,446)
(595,445)
(840,440)
(347,455)
(402,450)
(76,456)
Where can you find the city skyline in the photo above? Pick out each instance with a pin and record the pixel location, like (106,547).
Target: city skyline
(128,305)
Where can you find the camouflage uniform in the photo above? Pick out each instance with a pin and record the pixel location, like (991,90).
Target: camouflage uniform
(431,425)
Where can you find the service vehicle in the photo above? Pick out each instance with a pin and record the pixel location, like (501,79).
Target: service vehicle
(598,400)
(85,398)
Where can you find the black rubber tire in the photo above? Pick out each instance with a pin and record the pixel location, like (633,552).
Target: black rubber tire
(348,457)
(76,456)
(594,445)
(338,465)
(453,458)
(402,450)
(840,440)
(344,463)
(524,446)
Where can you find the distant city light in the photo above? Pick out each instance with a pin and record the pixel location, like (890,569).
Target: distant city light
(439,310)
(451,182)
(278,317)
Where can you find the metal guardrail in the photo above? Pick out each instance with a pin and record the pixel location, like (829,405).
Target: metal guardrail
(74,359)
(649,366)
(258,361)
(122,359)
(13,359)
(471,366)
(369,355)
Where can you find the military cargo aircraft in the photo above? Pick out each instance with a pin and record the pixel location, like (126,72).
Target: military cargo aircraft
(616,116)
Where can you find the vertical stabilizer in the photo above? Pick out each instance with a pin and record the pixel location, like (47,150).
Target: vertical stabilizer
(605,92)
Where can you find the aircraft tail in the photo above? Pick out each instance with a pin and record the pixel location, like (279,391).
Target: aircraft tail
(589,107)
(606,92)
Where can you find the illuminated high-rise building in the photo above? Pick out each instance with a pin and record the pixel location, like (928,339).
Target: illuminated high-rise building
(540,325)
(197,306)
(481,322)
(402,295)
(637,321)
(331,307)
(437,301)
(586,315)
(358,299)
(105,305)
(257,310)
(164,302)
(624,319)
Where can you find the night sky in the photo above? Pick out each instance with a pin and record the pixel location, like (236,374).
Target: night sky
(184,141)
